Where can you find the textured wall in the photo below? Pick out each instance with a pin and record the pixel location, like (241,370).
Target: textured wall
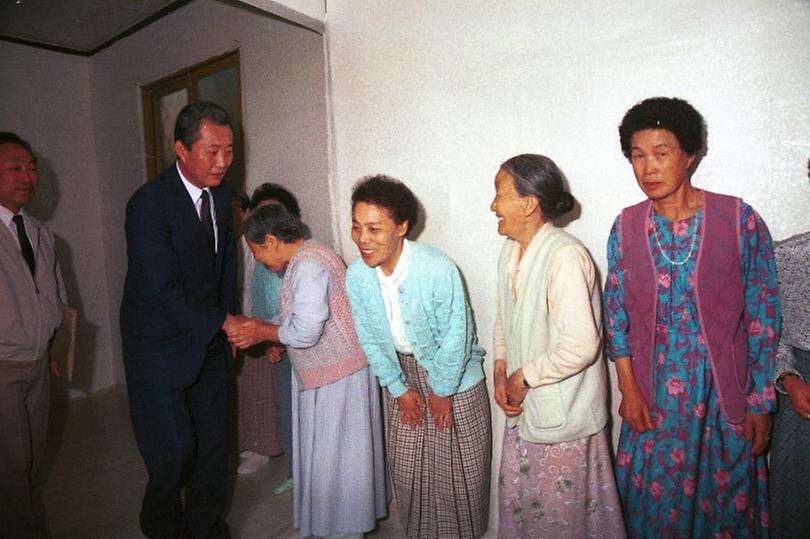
(309,13)
(439,93)
(45,98)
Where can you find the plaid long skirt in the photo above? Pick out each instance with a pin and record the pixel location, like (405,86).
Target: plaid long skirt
(441,479)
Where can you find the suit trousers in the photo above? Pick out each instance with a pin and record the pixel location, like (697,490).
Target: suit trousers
(25,389)
(182,434)
(283,394)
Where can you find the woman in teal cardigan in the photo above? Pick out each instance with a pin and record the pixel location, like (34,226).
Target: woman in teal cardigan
(556,477)
(415,325)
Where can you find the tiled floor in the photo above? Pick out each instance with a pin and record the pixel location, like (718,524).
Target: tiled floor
(94,479)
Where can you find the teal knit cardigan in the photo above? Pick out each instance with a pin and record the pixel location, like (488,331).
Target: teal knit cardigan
(438,322)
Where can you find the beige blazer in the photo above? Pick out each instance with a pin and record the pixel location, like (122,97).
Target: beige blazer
(29,309)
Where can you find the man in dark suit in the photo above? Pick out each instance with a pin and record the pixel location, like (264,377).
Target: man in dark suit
(180,288)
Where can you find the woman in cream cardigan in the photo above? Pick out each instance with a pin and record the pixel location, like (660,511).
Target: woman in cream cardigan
(549,376)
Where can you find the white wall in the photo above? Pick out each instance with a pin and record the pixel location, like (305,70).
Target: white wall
(438,94)
(282,71)
(45,98)
(309,13)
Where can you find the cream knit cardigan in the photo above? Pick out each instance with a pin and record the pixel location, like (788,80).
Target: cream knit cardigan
(561,357)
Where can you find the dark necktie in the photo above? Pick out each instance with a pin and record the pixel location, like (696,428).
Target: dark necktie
(25,245)
(205,218)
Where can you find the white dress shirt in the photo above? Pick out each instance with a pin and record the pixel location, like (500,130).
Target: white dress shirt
(196,197)
(6,216)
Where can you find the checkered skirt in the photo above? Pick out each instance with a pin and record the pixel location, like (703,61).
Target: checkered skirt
(441,479)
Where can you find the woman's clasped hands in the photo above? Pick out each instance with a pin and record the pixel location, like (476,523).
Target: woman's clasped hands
(244,332)
(509,391)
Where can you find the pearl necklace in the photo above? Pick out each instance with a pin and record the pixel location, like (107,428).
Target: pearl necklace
(664,253)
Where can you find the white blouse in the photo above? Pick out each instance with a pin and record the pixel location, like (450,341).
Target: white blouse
(390,288)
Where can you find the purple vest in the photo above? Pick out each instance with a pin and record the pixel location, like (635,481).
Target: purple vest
(718,290)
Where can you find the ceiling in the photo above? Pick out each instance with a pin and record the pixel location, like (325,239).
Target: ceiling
(81,27)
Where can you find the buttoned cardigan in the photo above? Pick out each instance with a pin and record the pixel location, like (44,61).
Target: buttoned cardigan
(437,317)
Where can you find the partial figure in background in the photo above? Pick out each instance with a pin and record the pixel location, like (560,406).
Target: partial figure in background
(31,291)
(240,206)
(416,327)
(338,466)
(179,296)
(692,311)
(254,395)
(264,383)
(549,373)
(790,464)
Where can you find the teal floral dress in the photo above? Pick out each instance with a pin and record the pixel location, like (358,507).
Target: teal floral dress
(694,475)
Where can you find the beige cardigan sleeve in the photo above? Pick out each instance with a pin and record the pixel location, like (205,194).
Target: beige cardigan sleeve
(573,304)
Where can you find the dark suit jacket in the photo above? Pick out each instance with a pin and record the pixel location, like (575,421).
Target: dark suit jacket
(176,292)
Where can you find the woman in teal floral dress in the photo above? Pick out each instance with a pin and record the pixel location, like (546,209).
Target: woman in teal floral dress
(692,314)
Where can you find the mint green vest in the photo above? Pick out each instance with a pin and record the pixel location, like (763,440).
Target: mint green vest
(575,407)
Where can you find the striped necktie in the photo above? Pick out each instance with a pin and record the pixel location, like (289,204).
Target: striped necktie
(205,218)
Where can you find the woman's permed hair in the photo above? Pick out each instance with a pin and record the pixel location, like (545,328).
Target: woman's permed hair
(273,191)
(273,219)
(240,198)
(671,113)
(390,194)
(538,176)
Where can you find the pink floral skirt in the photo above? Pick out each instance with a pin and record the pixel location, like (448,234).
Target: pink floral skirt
(558,490)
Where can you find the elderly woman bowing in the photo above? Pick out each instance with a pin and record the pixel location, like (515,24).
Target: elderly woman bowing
(338,470)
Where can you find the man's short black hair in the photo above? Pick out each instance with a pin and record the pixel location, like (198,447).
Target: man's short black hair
(7,137)
(187,125)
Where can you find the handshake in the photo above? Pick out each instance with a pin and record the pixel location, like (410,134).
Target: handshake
(244,332)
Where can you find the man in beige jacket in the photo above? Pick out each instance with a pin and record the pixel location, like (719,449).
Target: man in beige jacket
(31,291)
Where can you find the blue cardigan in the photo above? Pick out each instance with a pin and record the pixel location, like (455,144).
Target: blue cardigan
(437,317)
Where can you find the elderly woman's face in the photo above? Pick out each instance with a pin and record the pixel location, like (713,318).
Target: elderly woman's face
(509,206)
(269,253)
(660,165)
(377,236)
